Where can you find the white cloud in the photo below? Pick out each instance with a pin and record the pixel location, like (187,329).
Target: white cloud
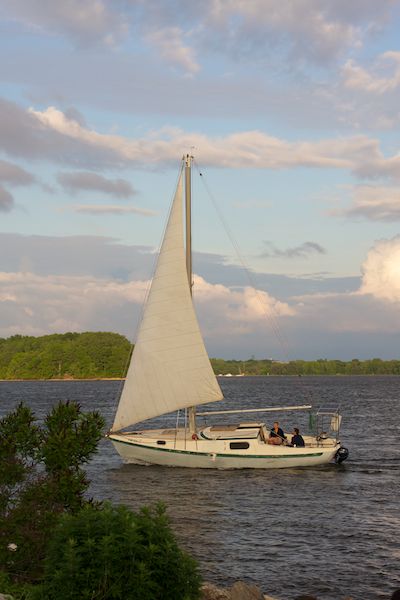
(249,149)
(35,304)
(235,320)
(381,271)
(240,304)
(315,31)
(32,302)
(112,209)
(52,135)
(14,175)
(378,203)
(168,42)
(304,27)
(87,181)
(357,78)
(85,21)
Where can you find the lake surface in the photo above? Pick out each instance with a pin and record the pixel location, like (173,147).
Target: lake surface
(333,531)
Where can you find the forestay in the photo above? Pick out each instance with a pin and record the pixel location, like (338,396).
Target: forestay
(169,368)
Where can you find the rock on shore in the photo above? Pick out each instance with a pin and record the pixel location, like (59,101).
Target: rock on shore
(239,591)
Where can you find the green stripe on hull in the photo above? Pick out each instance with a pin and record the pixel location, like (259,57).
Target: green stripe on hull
(217,454)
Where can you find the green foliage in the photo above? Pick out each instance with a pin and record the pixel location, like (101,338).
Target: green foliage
(68,355)
(40,479)
(15,591)
(375,366)
(20,439)
(112,553)
(55,544)
(92,355)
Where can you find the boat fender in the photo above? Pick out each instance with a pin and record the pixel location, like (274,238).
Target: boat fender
(195,436)
(341,455)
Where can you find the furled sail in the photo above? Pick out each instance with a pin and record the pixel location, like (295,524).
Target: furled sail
(170,368)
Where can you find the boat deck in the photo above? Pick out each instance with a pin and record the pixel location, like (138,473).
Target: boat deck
(251,432)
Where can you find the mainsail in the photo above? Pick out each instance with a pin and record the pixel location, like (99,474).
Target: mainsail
(170,368)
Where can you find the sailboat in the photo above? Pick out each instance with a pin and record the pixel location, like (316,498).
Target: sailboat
(170,371)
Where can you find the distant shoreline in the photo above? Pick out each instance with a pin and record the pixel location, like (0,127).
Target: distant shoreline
(104,356)
(229,377)
(68,379)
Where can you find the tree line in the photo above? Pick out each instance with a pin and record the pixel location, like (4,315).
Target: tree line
(99,355)
(374,366)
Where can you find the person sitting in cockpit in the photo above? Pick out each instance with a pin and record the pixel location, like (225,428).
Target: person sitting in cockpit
(276,435)
(297,439)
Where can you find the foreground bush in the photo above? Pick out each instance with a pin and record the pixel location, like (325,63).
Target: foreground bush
(112,553)
(41,478)
(17,591)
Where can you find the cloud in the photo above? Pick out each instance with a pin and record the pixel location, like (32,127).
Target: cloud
(367,96)
(377,203)
(357,78)
(51,135)
(35,304)
(6,200)
(73,114)
(78,255)
(377,166)
(302,251)
(168,42)
(106,258)
(250,149)
(86,181)
(255,26)
(239,308)
(244,30)
(56,138)
(251,31)
(88,22)
(45,288)
(236,321)
(14,175)
(381,271)
(102,209)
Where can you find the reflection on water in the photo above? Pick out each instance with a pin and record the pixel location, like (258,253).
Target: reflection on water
(332,531)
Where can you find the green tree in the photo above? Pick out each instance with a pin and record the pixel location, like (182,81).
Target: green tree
(41,477)
(77,355)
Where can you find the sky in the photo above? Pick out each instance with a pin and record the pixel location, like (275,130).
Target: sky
(292,112)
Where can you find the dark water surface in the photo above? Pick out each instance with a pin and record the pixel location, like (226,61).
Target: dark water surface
(333,531)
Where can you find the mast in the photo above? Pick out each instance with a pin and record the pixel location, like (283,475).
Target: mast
(188,212)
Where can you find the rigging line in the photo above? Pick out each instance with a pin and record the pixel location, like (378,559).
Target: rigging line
(247,271)
(147,291)
(270,314)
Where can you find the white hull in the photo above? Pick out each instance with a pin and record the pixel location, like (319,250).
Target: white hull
(171,449)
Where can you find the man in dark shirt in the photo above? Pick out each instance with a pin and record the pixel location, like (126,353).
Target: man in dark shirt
(297,439)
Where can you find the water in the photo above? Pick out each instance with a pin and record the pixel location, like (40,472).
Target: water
(332,531)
